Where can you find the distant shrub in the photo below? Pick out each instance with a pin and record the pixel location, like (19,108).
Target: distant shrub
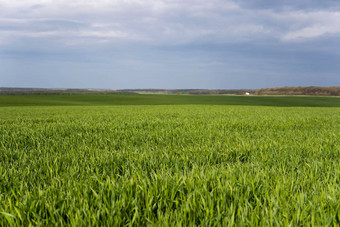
(317,91)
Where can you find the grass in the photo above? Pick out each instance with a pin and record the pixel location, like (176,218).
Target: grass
(166,165)
(140,99)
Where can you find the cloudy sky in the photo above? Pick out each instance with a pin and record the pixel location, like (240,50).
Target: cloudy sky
(212,44)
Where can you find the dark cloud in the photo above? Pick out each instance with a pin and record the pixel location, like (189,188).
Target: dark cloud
(290,4)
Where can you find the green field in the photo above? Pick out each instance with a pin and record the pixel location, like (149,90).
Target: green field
(139,99)
(89,160)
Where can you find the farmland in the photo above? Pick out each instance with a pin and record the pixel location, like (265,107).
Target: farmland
(169,160)
(146,99)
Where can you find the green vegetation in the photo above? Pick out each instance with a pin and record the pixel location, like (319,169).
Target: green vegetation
(139,99)
(168,165)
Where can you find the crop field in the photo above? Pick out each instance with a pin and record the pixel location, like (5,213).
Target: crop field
(267,163)
(147,99)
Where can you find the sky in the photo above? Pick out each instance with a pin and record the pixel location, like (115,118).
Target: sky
(211,44)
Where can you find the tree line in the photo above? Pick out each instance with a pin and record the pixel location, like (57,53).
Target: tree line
(317,91)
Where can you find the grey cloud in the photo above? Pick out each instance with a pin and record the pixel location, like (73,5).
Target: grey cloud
(290,4)
(159,43)
(172,21)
